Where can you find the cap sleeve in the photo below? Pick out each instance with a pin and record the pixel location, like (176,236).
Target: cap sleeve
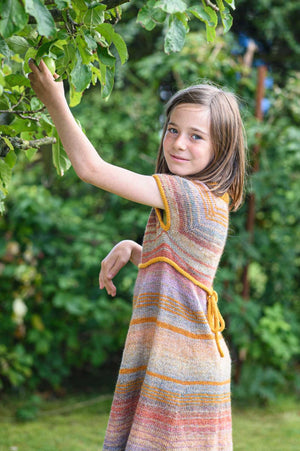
(181,199)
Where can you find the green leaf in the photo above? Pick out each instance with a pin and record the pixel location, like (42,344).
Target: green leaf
(107,31)
(31,52)
(16,80)
(7,130)
(11,158)
(5,176)
(105,57)
(85,53)
(59,156)
(109,77)
(149,16)
(121,47)
(4,49)
(30,153)
(205,14)
(18,44)
(94,15)
(175,37)
(225,16)
(90,41)
(231,3)
(171,6)
(226,19)
(43,50)
(45,22)
(81,75)
(7,142)
(144,17)
(75,97)
(62,4)
(13,17)
(209,16)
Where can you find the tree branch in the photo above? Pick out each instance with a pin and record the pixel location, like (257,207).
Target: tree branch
(22,111)
(21,144)
(212,5)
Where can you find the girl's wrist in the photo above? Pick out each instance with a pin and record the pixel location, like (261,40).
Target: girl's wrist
(136,252)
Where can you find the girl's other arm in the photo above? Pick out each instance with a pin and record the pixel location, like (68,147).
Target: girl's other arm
(121,254)
(87,163)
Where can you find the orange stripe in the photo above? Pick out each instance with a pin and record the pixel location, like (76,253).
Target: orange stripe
(173,394)
(178,381)
(149,319)
(175,312)
(181,400)
(152,319)
(187,399)
(181,305)
(132,370)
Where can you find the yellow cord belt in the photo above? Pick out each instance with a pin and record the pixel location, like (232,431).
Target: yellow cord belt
(214,317)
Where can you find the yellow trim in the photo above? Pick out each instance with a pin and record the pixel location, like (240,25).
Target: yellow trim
(182,271)
(225,197)
(214,317)
(167,209)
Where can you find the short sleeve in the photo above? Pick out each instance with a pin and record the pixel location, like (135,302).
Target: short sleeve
(183,202)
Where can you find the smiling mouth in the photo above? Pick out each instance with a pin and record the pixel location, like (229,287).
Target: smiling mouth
(175,157)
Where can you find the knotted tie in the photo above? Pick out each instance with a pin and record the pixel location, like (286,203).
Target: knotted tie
(214,318)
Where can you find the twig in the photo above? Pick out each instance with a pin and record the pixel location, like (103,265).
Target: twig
(18,102)
(212,5)
(11,110)
(21,144)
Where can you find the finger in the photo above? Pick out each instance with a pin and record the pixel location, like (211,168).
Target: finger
(106,282)
(43,67)
(110,288)
(55,76)
(101,281)
(33,66)
(107,264)
(116,266)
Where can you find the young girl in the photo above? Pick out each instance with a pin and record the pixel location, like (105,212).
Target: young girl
(173,389)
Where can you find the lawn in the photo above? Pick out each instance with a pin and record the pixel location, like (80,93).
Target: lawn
(78,424)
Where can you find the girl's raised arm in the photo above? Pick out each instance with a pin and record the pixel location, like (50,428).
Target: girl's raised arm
(87,163)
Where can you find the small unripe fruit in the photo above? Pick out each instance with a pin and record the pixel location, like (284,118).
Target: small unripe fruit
(50,63)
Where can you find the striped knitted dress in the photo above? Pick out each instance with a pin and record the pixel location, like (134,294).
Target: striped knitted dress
(173,389)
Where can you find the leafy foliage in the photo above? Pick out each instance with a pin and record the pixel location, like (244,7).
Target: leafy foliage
(81,38)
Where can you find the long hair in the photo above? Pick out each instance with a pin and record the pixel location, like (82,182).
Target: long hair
(226,171)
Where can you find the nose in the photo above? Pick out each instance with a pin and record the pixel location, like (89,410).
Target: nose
(180,142)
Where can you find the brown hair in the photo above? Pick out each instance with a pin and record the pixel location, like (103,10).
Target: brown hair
(226,171)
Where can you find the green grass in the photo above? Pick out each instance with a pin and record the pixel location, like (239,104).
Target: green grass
(66,425)
(276,428)
(78,424)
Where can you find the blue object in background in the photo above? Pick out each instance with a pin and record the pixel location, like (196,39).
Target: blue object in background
(269,82)
(265,105)
(243,40)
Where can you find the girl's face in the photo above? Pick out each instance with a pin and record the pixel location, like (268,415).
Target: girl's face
(187,144)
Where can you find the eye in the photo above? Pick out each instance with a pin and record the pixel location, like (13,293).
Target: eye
(196,137)
(172,130)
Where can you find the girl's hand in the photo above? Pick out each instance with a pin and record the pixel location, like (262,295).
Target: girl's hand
(121,254)
(49,91)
